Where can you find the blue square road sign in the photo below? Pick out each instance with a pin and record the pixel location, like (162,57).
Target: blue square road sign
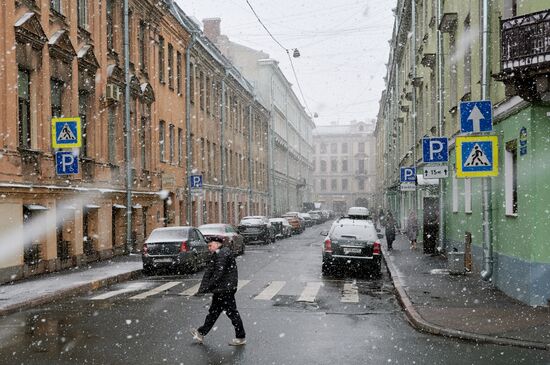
(66,163)
(408,174)
(435,149)
(195,181)
(476,116)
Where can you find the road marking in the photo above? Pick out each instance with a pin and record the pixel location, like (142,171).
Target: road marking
(350,294)
(272,289)
(310,292)
(156,290)
(130,288)
(242,283)
(191,291)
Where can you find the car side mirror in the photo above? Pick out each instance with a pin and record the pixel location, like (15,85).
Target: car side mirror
(380,235)
(324,233)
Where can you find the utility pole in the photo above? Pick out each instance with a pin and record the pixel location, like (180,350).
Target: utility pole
(188,141)
(128,136)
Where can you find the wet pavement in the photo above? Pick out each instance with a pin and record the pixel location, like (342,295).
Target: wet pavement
(291,313)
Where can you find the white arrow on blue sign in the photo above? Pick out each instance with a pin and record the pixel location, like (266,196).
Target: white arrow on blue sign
(435,149)
(408,174)
(476,116)
(66,163)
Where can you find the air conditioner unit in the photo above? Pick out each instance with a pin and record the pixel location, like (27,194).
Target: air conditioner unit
(113,92)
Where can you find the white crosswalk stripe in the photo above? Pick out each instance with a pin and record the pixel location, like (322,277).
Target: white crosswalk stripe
(191,291)
(350,293)
(156,290)
(130,288)
(242,283)
(310,292)
(272,289)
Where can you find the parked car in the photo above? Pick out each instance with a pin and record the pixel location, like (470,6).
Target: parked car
(256,229)
(295,222)
(225,233)
(316,218)
(351,243)
(180,248)
(283,228)
(309,221)
(319,213)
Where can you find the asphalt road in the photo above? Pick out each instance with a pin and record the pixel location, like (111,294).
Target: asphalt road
(291,313)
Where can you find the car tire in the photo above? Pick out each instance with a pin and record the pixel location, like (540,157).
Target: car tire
(327,268)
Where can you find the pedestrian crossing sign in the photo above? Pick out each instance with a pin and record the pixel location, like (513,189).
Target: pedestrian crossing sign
(477,156)
(66,133)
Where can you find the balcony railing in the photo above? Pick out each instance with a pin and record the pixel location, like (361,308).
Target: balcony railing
(525,42)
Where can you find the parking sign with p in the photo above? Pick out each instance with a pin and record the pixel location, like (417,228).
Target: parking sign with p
(408,174)
(435,150)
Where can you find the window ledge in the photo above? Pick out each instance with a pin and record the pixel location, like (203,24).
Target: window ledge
(468,212)
(512,215)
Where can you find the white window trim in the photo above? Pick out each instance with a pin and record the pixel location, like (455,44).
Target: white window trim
(467,196)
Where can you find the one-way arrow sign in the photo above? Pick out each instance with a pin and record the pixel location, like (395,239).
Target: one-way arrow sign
(476,116)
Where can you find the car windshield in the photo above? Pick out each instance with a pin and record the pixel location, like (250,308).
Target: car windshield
(170,234)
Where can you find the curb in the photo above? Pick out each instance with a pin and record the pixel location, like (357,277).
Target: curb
(420,324)
(72,290)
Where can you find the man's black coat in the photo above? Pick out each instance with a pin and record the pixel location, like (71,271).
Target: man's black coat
(221,275)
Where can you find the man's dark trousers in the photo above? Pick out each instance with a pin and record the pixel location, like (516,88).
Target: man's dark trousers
(224,301)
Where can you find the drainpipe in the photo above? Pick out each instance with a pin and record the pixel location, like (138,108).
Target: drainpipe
(487,272)
(250,160)
(128,131)
(440,106)
(188,140)
(222,147)
(270,151)
(413,107)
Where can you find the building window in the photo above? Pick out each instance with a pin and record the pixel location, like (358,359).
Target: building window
(112,135)
(511,178)
(178,72)
(83,14)
(171,136)
(170,66)
(56,98)
(24,101)
(83,107)
(467,58)
(192,83)
(201,90)
(323,166)
(344,165)
(180,146)
(56,5)
(161,140)
(361,147)
(467,196)
(142,48)
(361,184)
(143,135)
(333,185)
(333,148)
(110,26)
(323,184)
(361,166)
(208,98)
(323,148)
(161,59)
(333,166)
(344,184)
(344,148)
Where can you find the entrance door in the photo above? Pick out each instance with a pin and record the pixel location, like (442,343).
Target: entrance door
(431,224)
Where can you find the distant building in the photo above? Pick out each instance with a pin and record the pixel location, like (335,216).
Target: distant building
(291,126)
(344,165)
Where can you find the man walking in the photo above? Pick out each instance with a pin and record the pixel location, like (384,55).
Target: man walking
(221,279)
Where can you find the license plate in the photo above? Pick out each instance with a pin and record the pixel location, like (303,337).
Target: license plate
(163,260)
(352,250)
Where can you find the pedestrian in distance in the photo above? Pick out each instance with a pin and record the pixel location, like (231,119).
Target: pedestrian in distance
(391,228)
(221,278)
(412,229)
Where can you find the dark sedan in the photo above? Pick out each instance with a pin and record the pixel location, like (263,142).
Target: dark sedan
(257,229)
(180,248)
(224,233)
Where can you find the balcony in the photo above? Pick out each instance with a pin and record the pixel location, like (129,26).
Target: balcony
(525,56)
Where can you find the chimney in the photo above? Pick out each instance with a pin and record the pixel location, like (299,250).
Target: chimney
(212,28)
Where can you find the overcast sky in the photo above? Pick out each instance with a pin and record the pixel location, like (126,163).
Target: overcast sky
(343,45)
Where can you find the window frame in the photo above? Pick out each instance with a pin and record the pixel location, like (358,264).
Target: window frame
(162,141)
(24,128)
(82,14)
(161,60)
(171,66)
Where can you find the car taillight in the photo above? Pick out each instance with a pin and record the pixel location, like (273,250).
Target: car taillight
(183,247)
(328,245)
(376,248)
(145,249)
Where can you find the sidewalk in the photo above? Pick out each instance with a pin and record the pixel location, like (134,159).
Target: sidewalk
(48,287)
(461,306)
